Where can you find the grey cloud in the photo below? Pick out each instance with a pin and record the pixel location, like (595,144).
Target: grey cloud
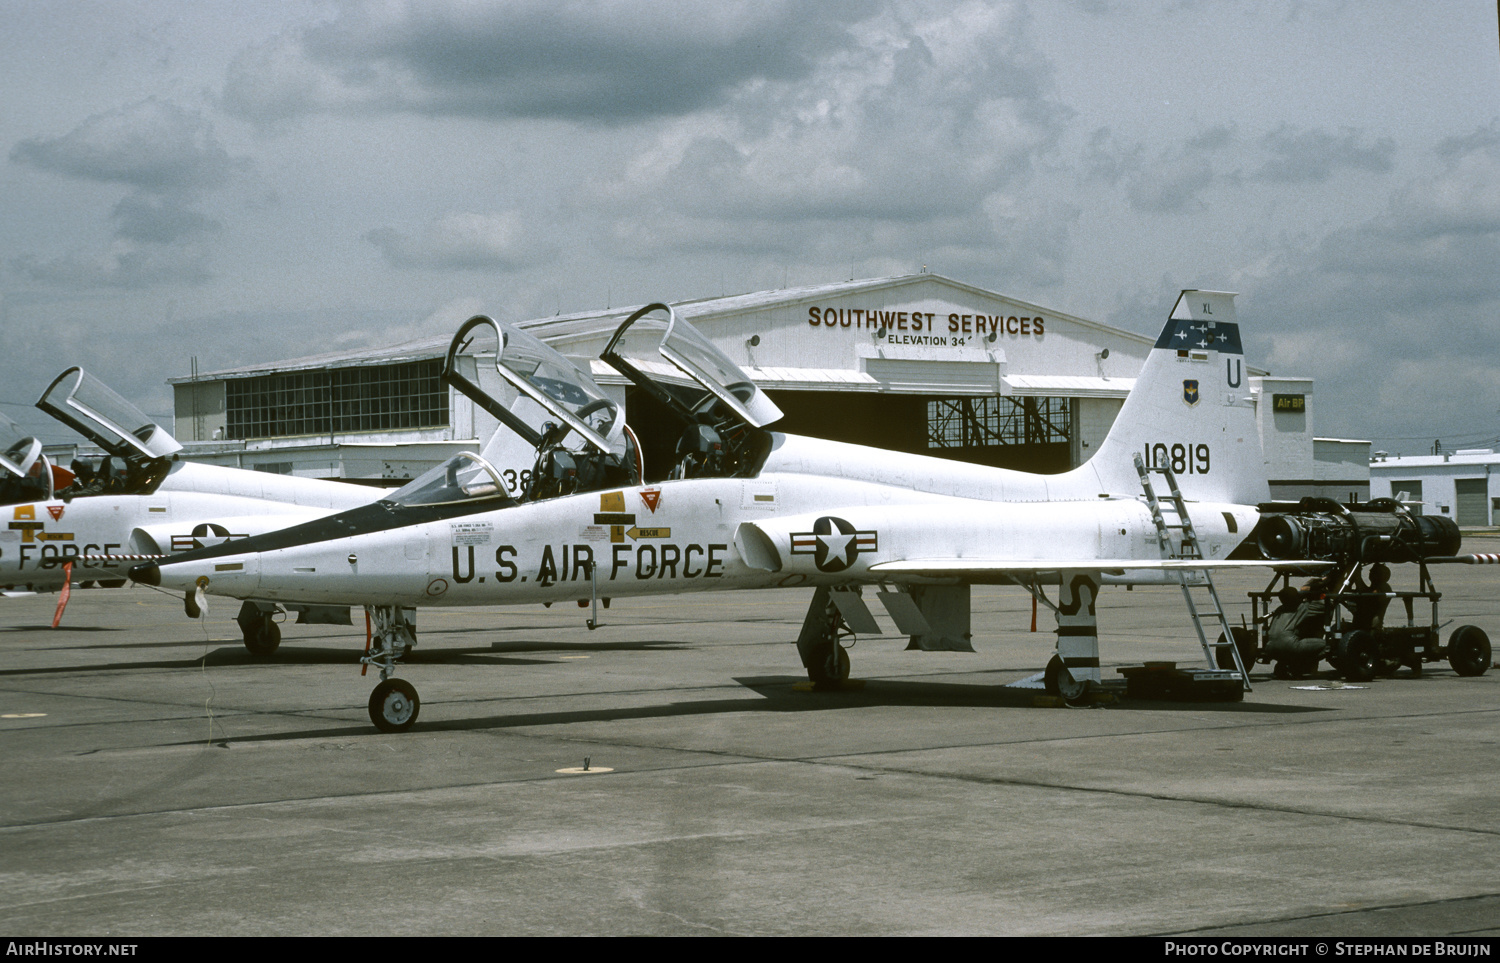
(124,265)
(605,62)
(1106,159)
(171,158)
(459,241)
(1403,306)
(1314,155)
(1171,187)
(1172,183)
(152,145)
(1032,240)
(939,107)
(1481,139)
(1212,139)
(1446,226)
(141,217)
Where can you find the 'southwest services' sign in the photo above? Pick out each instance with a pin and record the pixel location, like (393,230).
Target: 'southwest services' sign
(894,323)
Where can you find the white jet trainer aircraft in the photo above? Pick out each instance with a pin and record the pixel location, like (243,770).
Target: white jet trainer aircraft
(746,508)
(93,522)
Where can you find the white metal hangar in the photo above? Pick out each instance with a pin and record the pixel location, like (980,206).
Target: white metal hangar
(1462,484)
(917,363)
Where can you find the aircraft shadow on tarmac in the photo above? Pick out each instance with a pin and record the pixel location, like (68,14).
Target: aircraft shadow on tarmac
(779,695)
(228,655)
(10,629)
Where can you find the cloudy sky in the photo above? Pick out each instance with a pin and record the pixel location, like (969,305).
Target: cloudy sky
(252,181)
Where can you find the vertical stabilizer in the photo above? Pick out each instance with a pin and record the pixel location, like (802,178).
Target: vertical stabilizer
(1191,410)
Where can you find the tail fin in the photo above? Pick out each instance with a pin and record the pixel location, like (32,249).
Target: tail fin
(1190,410)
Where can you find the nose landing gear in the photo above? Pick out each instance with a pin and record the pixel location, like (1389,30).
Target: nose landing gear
(394,703)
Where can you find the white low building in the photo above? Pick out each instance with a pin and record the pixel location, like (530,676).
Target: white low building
(1457,484)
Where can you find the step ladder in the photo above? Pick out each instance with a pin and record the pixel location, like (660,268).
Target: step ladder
(1171,514)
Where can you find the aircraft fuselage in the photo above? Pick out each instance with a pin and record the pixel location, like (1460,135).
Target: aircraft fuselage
(776,530)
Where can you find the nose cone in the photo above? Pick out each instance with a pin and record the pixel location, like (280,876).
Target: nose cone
(148,574)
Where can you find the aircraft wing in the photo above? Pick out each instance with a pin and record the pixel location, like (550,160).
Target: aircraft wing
(951,567)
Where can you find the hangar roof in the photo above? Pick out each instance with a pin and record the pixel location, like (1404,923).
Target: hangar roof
(586,326)
(1472,457)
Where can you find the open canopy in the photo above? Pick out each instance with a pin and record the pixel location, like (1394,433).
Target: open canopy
(91,408)
(656,332)
(539,373)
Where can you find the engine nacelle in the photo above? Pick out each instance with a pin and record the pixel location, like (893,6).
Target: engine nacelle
(1381,531)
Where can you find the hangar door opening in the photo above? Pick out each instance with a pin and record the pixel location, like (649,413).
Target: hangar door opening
(1472,501)
(1410,492)
(1024,433)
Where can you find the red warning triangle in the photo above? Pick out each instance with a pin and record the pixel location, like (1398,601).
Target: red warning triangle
(652,498)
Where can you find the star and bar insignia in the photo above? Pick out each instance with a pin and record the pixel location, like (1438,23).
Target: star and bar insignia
(834,544)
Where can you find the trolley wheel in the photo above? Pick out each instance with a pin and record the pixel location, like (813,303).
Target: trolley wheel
(1387,666)
(1469,650)
(1244,640)
(394,705)
(1359,656)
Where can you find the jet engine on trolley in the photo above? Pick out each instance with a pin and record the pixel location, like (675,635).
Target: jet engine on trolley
(1378,531)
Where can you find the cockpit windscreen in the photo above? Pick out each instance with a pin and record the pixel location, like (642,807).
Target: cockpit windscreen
(21,450)
(463,477)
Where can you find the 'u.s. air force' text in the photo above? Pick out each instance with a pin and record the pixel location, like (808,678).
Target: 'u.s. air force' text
(572,563)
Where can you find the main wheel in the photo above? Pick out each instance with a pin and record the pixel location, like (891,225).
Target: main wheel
(1469,650)
(264,638)
(1060,682)
(394,705)
(1359,656)
(832,671)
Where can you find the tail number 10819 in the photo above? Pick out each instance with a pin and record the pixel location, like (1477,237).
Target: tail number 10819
(1182,459)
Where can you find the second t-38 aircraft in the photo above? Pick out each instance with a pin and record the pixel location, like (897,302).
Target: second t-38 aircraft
(92,521)
(738,506)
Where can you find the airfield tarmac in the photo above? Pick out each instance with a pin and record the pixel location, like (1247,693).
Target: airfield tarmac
(160,781)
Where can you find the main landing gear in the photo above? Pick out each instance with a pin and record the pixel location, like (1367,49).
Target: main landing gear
(262,634)
(394,703)
(826,659)
(1074,670)
(1058,681)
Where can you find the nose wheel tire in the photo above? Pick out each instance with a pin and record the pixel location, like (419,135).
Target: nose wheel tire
(394,705)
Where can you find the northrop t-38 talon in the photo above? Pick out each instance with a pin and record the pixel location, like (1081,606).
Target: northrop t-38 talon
(741,507)
(93,521)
